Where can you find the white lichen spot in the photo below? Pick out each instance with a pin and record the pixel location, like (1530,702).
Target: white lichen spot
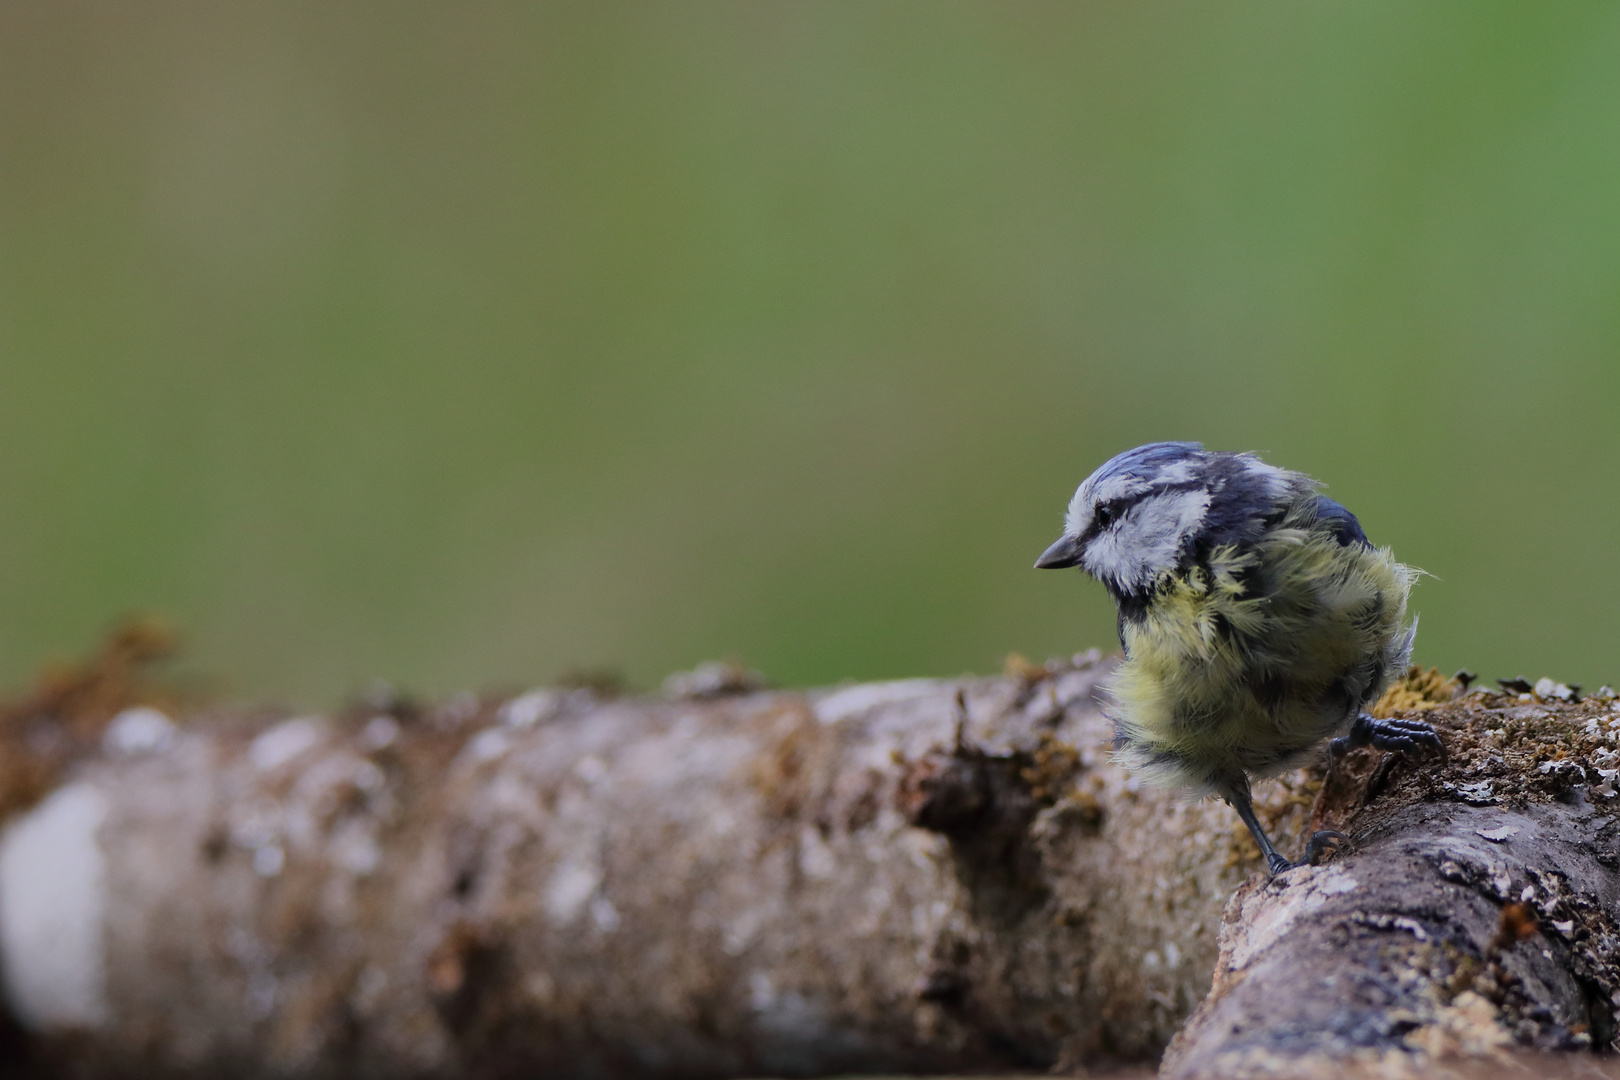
(261,994)
(924,850)
(138,731)
(242,946)
(369,988)
(711,679)
(269,860)
(368,777)
(722,822)
(1479,793)
(761,994)
(740,931)
(255,823)
(462,707)
(486,746)
(1499,834)
(1277,914)
(511,794)
(1337,884)
(604,915)
(571,886)
(527,710)
(301,830)
(841,705)
(354,848)
(1552,690)
(1073,687)
(380,733)
(53,900)
(816,858)
(284,743)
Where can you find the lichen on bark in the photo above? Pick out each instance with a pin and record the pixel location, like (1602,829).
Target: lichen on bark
(726,881)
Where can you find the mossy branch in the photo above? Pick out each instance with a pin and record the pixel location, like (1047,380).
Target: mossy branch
(920,875)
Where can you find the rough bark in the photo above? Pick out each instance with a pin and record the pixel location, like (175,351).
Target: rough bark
(918,875)
(1474,917)
(912,875)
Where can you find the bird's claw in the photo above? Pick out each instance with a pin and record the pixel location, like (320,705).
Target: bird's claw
(1406,736)
(1400,736)
(1321,842)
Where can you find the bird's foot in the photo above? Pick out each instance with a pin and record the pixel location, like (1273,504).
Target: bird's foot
(1402,736)
(1321,842)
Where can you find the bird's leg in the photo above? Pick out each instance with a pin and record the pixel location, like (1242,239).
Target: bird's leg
(1238,796)
(1241,801)
(1244,805)
(1404,736)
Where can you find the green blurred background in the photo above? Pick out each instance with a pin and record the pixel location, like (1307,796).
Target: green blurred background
(467,344)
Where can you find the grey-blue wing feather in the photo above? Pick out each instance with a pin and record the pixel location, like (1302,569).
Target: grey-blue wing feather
(1341,522)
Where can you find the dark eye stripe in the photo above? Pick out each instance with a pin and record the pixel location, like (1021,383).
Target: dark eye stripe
(1105,515)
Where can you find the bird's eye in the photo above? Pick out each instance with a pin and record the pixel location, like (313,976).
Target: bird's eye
(1105,515)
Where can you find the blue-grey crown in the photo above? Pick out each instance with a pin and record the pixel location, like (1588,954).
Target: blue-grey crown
(1145,462)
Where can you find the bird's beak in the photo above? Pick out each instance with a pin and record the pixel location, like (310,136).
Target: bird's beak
(1066,552)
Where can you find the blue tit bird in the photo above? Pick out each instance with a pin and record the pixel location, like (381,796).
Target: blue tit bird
(1256,618)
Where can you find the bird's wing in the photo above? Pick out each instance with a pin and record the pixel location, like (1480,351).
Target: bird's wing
(1340,522)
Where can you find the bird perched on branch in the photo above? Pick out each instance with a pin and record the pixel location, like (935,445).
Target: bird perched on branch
(1256,619)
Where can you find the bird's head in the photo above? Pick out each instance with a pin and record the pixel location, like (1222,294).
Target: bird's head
(1140,515)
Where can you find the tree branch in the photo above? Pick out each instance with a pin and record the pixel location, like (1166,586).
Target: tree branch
(928,874)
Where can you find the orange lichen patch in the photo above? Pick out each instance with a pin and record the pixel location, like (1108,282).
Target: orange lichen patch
(1051,769)
(1417,690)
(1241,850)
(1517,922)
(1027,671)
(84,695)
(789,773)
(447,964)
(70,704)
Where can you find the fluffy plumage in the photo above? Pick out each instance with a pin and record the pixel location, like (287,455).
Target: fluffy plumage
(1256,617)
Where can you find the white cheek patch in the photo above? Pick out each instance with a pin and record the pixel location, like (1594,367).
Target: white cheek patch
(1149,539)
(1160,525)
(52,904)
(1105,561)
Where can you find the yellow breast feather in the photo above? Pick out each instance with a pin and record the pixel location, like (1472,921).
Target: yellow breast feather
(1202,685)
